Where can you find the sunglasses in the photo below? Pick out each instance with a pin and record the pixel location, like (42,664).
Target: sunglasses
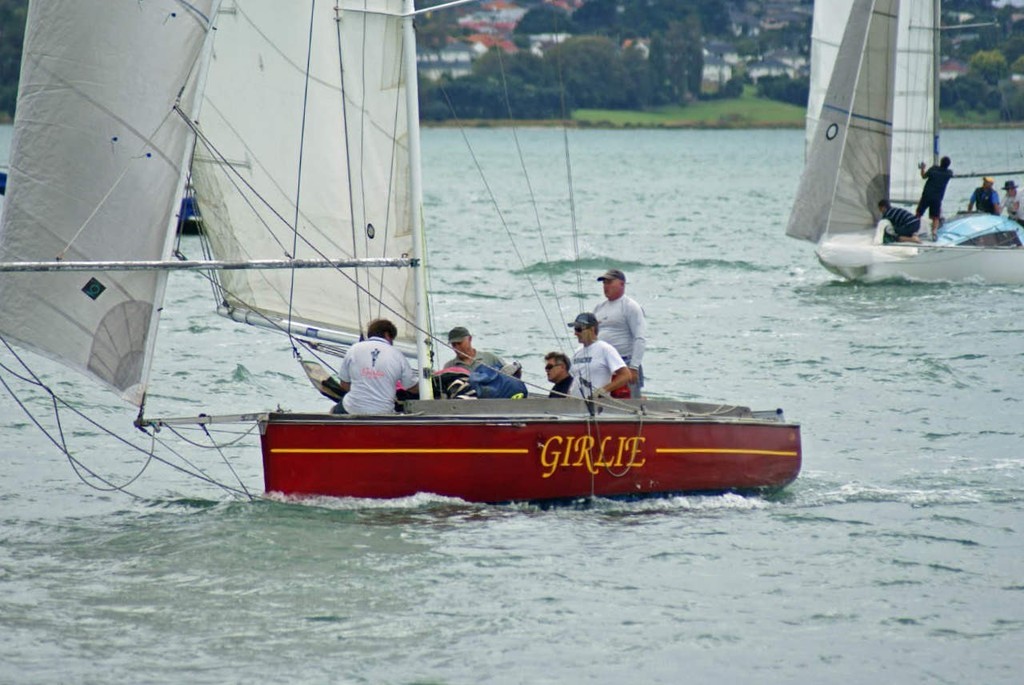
(548,367)
(580,328)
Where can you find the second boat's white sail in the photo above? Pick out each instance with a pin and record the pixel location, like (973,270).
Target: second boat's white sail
(96,175)
(305,107)
(914,112)
(847,170)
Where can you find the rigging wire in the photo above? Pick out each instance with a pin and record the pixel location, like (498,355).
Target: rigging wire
(60,441)
(298,173)
(533,203)
(348,161)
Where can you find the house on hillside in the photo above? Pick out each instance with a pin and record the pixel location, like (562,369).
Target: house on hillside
(951,69)
(641,44)
(454,60)
(715,74)
(497,18)
(542,42)
(744,24)
(723,51)
(769,67)
(482,42)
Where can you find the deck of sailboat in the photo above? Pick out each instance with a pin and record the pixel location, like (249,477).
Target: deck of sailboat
(543,409)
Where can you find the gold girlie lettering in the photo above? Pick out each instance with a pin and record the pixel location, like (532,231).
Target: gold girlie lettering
(569,452)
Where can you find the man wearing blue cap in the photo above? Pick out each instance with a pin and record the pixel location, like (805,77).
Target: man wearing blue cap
(624,326)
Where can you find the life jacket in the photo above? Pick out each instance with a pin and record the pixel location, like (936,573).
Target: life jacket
(984,200)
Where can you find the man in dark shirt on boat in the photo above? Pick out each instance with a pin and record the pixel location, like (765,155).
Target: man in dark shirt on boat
(903,226)
(556,366)
(985,197)
(936,180)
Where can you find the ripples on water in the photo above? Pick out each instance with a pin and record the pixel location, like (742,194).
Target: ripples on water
(895,556)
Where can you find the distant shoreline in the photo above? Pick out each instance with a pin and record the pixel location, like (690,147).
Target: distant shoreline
(673,125)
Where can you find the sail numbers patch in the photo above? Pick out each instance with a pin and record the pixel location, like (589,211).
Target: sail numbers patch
(93,288)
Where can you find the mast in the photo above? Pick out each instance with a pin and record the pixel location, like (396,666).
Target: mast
(936,63)
(423,334)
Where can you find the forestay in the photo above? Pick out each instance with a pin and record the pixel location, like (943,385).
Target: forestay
(332,141)
(848,162)
(96,174)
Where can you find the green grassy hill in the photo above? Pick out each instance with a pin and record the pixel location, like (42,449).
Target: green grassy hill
(746,111)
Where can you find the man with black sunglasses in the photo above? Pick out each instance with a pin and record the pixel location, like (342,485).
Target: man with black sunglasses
(597,368)
(556,366)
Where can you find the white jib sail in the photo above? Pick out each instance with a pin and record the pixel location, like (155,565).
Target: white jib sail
(914,125)
(332,142)
(847,170)
(95,175)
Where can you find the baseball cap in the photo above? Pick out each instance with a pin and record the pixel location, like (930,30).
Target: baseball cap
(612,273)
(458,333)
(586,319)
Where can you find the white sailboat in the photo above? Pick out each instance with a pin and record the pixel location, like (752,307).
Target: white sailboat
(873,122)
(297,125)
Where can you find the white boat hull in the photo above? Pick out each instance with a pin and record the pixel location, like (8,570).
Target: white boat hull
(857,257)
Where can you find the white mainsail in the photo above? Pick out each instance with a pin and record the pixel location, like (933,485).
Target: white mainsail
(914,111)
(848,163)
(305,106)
(95,175)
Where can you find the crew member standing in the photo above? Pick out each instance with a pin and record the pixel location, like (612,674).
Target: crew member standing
(936,180)
(624,327)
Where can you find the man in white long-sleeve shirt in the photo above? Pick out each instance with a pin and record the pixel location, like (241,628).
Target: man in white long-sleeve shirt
(622,324)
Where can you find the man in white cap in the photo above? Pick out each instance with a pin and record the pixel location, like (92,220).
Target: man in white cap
(985,197)
(624,326)
(1014,207)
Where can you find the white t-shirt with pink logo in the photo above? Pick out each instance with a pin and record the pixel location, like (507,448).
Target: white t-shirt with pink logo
(374,369)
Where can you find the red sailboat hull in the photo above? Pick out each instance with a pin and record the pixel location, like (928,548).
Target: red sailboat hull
(488,458)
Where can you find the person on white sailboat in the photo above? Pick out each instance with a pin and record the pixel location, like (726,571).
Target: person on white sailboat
(597,368)
(372,371)
(1014,207)
(902,226)
(466,356)
(985,197)
(623,325)
(936,180)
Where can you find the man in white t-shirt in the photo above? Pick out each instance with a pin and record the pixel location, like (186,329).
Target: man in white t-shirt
(372,371)
(597,369)
(624,325)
